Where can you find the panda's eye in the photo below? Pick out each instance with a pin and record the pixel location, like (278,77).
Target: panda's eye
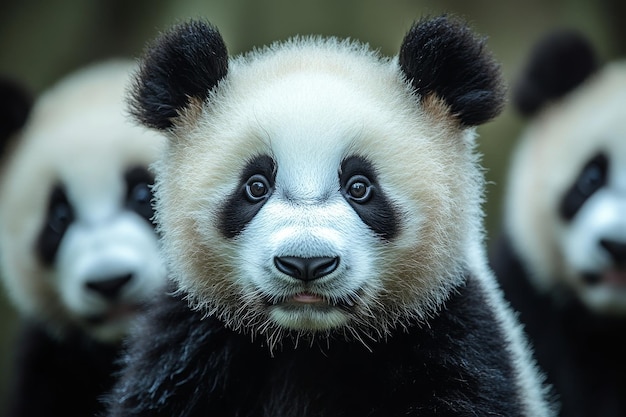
(257,188)
(60,216)
(138,192)
(591,179)
(359,188)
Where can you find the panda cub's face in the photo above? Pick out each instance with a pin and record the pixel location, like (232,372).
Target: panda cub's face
(313,192)
(313,187)
(77,242)
(578,148)
(100,248)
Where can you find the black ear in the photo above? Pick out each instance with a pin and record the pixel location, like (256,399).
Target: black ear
(15,106)
(183,63)
(558,64)
(442,56)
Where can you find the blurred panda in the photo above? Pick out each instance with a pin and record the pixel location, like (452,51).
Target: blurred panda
(320,214)
(562,257)
(78,251)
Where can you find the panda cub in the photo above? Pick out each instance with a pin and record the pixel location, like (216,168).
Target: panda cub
(562,255)
(78,251)
(320,215)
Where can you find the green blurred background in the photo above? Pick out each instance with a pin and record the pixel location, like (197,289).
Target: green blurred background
(41,41)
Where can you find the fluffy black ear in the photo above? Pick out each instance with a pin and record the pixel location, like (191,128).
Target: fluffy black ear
(442,56)
(15,106)
(558,63)
(185,62)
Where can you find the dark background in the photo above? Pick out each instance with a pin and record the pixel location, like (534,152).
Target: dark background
(40,41)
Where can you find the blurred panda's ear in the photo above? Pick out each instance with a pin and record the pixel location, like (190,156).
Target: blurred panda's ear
(183,63)
(442,56)
(15,105)
(558,63)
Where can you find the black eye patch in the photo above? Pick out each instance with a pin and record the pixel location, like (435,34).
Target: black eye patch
(360,188)
(139,182)
(256,184)
(59,217)
(591,178)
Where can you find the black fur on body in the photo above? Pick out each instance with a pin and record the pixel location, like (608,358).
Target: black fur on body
(55,378)
(190,366)
(581,353)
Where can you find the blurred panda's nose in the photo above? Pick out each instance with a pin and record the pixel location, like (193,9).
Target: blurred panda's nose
(109,288)
(306,269)
(617,250)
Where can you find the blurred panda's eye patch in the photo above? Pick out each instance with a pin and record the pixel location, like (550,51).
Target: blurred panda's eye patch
(591,178)
(59,217)
(256,184)
(361,189)
(139,182)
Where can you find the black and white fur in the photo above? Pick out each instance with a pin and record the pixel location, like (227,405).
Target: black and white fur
(562,257)
(78,251)
(320,212)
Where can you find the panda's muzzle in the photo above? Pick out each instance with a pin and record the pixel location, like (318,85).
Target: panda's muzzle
(306,269)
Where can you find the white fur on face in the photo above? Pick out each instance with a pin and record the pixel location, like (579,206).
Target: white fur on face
(318,224)
(78,136)
(550,156)
(96,250)
(309,105)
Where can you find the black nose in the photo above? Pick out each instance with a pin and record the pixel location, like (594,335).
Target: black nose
(306,269)
(617,250)
(109,288)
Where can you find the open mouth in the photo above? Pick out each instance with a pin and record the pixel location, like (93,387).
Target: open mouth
(314,300)
(307,298)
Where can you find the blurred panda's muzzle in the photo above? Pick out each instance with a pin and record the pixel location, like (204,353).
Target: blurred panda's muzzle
(614,275)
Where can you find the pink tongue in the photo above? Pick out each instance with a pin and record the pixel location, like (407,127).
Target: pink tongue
(615,277)
(307,298)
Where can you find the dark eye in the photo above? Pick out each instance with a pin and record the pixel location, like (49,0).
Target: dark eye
(359,188)
(60,216)
(138,192)
(58,220)
(257,188)
(591,178)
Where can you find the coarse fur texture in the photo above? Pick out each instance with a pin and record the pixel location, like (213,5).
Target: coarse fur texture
(79,255)
(320,215)
(561,259)
(463,76)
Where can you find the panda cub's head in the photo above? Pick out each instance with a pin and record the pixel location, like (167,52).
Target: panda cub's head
(77,245)
(313,186)
(567,189)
